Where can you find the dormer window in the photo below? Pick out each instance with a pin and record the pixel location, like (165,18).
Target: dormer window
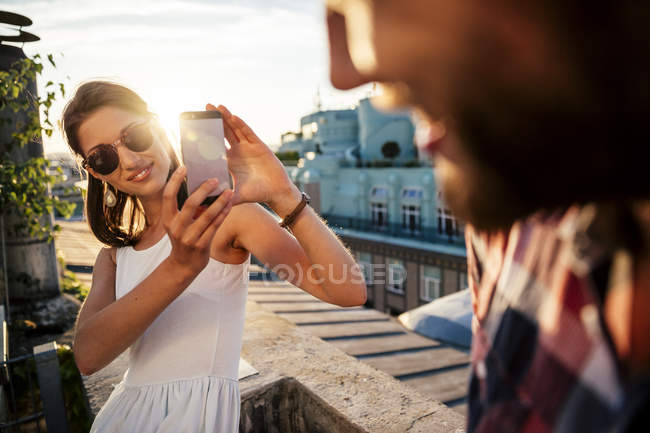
(379,192)
(412,193)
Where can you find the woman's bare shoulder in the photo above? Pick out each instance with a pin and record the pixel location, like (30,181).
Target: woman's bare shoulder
(106,256)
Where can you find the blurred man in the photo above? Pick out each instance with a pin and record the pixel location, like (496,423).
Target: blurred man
(536,115)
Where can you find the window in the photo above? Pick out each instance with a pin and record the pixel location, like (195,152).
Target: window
(396,276)
(309,129)
(379,213)
(415,193)
(365,261)
(447,224)
(289,137)
(379,192)
(378,207)
(430,283)
(411,219)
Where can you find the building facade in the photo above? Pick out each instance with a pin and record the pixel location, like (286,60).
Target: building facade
(360,137)
(410,246)
(365,177)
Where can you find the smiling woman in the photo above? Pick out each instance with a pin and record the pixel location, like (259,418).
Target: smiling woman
(173,286)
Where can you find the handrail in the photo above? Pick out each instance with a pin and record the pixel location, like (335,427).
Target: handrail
(423,233)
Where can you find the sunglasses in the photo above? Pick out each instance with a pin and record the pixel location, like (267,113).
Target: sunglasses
(104,158)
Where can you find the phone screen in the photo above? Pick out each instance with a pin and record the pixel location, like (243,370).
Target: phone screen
(204,150)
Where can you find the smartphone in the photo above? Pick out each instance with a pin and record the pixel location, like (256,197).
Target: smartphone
(204,151)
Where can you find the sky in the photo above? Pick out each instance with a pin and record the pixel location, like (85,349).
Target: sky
(263,59)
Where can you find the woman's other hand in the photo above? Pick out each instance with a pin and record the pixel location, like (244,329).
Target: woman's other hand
(191,237)
(258,174)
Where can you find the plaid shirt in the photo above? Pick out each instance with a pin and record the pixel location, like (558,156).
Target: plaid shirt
(542,358)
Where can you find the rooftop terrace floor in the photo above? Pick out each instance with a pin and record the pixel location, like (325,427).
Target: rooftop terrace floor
(375,338)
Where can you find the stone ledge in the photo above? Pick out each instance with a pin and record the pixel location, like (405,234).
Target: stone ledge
(297,368)
(368,399)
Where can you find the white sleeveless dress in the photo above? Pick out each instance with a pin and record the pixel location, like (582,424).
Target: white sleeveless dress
(182,374)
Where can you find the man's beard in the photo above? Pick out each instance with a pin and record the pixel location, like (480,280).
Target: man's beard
(544,158)
(479,196)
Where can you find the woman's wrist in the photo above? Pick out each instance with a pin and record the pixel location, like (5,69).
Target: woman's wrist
(181,274)
(283,203)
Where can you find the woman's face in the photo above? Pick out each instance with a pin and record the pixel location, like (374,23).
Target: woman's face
(143,174)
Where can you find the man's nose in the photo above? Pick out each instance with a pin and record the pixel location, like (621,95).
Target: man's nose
(343,74)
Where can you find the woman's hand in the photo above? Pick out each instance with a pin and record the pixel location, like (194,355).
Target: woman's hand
(258,174)
(191,237)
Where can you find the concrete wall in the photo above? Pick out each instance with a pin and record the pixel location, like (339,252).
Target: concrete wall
(377,128)
(337,393)
(287,406)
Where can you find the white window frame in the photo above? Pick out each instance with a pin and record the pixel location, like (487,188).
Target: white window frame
(424,280)
(419,193)
(398,289)
(377,208)
(445,217)
(406,213)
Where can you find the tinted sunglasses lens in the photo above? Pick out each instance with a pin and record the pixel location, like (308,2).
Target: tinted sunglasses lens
(139,138)
(104,160)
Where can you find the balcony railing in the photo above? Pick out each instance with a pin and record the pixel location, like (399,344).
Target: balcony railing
(426,234)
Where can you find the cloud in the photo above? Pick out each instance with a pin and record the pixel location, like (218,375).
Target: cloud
(263,58)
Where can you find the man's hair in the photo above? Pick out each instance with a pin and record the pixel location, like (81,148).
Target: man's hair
(578,145)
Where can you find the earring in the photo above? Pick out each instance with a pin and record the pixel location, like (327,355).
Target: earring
(109,198)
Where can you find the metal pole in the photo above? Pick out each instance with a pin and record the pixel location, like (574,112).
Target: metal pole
(49,380)
(4,268)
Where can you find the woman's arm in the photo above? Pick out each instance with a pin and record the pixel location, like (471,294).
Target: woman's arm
(106,327)
(313,259)
(329,271)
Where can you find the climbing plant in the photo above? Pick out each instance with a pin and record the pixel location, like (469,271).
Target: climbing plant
(24,118)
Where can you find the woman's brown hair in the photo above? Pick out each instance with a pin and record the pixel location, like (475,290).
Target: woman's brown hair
(122,224)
